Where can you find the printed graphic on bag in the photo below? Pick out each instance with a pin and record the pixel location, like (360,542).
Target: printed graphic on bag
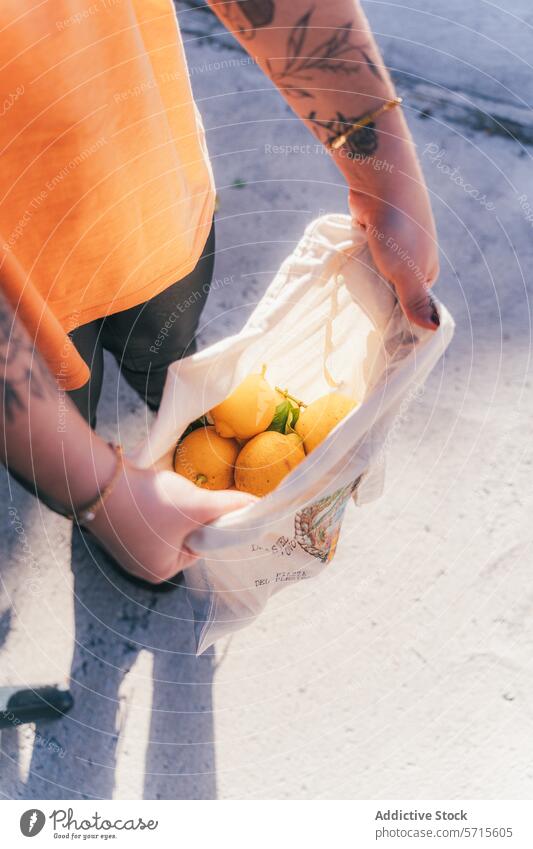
(318,526)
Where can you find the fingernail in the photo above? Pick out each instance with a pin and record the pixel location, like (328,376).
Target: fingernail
(434,317)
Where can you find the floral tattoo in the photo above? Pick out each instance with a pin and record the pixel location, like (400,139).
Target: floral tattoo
(362,142)
(336,54)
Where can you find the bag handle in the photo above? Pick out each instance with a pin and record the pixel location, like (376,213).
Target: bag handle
(348,251)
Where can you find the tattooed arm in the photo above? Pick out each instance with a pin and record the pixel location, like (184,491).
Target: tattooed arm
(324,59)
(34,435)
(44,440)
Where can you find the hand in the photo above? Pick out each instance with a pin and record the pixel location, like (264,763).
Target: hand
(396,213)
(144,522)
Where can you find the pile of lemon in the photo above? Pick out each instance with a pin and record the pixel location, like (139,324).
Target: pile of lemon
(254,438)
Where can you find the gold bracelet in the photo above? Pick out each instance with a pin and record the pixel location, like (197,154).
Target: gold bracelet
(88,512)
(338,141)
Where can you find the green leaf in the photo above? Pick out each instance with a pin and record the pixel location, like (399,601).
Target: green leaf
(201,422)
(285,417)
(295,415)
(279,422)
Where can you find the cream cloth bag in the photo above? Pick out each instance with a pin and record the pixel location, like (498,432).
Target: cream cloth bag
(328,321)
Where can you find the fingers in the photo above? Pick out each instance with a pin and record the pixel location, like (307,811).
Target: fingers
(211,507)
(417,302)
(407,257)
(214,504)
(197,506)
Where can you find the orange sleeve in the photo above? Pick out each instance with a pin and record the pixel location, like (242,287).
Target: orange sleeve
(55,346)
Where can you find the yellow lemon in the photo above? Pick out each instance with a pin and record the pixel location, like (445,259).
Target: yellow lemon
(319,418)
(206,459)
(248,410)
(265,460)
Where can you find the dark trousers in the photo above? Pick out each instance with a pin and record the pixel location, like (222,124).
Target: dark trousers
(145,339)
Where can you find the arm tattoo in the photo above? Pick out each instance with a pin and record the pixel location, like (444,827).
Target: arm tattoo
(363,142)
(336,54)
(246,16)
(21,368)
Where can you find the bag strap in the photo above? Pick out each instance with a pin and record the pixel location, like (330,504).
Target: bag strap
(328,345)
(347,253)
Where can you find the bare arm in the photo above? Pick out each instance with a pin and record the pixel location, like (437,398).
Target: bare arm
(325,61)
(44,439)
(148,515)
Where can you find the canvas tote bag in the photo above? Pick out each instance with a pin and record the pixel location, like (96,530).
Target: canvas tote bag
(327,322)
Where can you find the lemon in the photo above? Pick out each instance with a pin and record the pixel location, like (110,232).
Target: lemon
(248,410)
(206,459)
(265,460)
(318,419)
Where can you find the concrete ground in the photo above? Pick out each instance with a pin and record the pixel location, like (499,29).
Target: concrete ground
(404,672)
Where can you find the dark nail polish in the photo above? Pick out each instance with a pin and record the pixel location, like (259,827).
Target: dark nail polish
(434,312)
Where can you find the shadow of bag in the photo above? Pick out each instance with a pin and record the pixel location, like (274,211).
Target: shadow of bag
(327,322)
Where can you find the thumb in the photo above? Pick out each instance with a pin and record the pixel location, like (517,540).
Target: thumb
(211,506)
(207,505)
(215,503)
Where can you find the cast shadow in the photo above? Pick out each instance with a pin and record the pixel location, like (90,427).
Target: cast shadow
(114,622)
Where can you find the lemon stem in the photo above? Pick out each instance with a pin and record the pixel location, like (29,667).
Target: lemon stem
(287,394)
(263,370)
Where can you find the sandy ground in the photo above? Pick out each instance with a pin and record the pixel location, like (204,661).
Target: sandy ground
(405,672)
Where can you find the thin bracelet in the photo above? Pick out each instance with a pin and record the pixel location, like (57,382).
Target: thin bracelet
(88,512)
(341,139)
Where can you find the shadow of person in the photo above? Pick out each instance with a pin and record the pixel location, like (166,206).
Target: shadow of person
(9,752)
(28,571)
(180,758)
(115,622)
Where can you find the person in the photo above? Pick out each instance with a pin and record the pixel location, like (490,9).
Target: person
(106,223)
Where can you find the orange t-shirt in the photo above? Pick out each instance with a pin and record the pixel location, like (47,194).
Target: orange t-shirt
(106,191)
